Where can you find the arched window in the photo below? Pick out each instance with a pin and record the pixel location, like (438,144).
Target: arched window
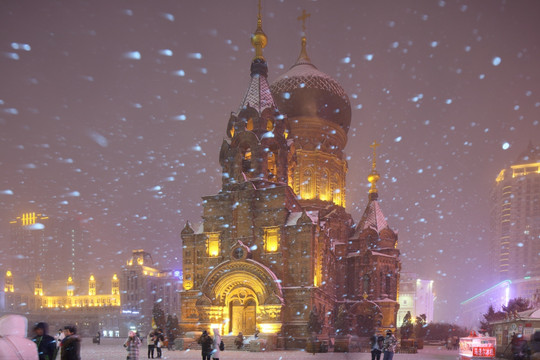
(336,190)
(307,188)
(269,125)
(249,125)
(324,188)
(272,166)
(246,160)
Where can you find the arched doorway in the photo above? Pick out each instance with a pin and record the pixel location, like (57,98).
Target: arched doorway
(242,311)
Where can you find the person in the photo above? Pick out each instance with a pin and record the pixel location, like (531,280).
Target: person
(520,348)
(158,342)
(71,344)
(256,335)
(150,342)
(13,342)
(217,339)
(59,337)
(389,345)
(206,343)
(132,345)
(45,343)
(239,340)
(98,338)
(376,346)
(535,346)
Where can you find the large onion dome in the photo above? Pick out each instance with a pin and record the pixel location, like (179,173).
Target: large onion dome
(305,91)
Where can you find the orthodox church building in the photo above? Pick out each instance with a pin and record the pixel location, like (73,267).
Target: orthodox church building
(277,246)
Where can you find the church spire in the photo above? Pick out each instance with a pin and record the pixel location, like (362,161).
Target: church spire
(374,176)
(259,39)
(303,58)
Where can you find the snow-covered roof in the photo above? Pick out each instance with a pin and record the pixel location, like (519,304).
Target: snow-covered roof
(373,218)
(294,216)
(258,95)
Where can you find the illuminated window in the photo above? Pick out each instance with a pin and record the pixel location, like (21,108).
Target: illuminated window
(249,126)
(325,187)
(336,192)
(272,166)
(269,125)
(246,160)
(307,191)
(271,239)
(212,244)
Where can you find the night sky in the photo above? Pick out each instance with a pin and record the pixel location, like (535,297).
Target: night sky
(113,112)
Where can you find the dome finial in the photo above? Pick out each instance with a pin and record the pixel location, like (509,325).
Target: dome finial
(259,39)
(303,52)
(373,177)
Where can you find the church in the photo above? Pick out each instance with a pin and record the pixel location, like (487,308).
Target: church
(277,246)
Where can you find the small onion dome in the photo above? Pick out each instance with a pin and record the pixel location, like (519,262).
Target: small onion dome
(305,91)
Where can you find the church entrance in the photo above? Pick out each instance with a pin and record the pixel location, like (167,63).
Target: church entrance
(242,311)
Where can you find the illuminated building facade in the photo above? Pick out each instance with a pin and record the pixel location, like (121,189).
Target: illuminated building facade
(277,243)
(112,306)
(90,311)
(39,244)
(142,286)
(415,296)
(516,218)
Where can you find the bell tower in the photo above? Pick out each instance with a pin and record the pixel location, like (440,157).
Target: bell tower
(255,146)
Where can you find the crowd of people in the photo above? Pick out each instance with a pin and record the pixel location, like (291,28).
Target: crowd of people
(15,345)
(67,343)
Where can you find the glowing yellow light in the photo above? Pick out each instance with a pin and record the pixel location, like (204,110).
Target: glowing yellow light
(91,277)
(115,277)
(269,125)
(249,126)
(270,328)
(232,132)
(213,244)
(140,261)
(8,273)
(271,239)
(28,219)
(188,285)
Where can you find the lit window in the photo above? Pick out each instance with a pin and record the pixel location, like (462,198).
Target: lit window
(212,244)
(271,239)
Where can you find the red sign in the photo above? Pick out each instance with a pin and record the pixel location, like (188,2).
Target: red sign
(483,351)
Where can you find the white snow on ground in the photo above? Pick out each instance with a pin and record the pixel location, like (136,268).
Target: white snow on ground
(111,349)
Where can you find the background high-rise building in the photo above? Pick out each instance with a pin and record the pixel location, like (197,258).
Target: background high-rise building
(415,296)
(515,251)
(51,247)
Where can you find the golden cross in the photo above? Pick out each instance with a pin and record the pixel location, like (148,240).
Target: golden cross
(259,9)
(374,147)
(303,18)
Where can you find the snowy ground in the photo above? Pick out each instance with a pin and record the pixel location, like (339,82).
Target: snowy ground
(111,349)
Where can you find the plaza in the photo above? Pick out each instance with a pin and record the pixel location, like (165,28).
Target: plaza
(112,349)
